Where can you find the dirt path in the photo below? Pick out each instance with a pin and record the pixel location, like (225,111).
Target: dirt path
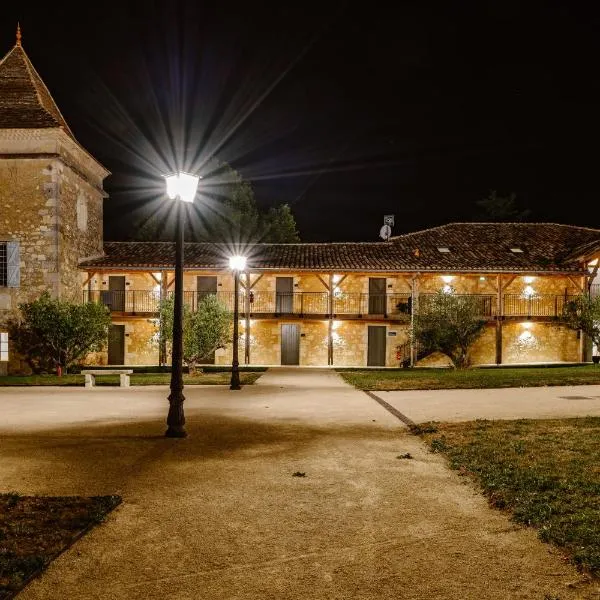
(221,516)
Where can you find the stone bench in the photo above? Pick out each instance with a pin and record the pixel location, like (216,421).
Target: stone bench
(90,376)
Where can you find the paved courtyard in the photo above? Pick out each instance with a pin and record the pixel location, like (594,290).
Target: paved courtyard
(507,403)
(220,515)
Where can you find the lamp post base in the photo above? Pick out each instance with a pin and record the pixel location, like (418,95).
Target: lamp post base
(176,418)
(176,432)
(235,380)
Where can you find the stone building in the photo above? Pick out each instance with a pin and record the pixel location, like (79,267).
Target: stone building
(50,195)
(350,304)
(344,304)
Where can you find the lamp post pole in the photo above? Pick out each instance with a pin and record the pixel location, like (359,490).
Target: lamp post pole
(176,417)
(181,187)
(235,363)
(236,264)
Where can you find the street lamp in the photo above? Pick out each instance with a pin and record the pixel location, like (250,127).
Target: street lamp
(236,264)
(180,186)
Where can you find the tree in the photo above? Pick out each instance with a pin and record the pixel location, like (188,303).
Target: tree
(583,312)
(502,208)
(58,333)
(225,211)
(280,225)
(448,323)
(204,330)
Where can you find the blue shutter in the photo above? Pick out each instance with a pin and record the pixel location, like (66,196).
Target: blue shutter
(13,264)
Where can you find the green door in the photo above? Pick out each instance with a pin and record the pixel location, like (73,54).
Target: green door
(116,345)
(376,348)
(290,344)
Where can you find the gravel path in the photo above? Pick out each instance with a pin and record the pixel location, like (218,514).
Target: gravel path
(220,515)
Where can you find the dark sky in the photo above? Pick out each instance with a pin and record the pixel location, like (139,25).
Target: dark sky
(347,111)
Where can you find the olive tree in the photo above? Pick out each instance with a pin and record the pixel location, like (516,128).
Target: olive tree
(450,324)
(57,333)
(583,312)
(204,330)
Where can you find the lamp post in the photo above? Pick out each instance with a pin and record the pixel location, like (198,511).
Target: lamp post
(236,264)
(181,187)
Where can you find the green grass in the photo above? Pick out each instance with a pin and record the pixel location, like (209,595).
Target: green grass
(439,379)
(218,378)
(34,530)
(546,473)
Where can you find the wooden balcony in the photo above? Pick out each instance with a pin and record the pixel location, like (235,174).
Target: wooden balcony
(395,307)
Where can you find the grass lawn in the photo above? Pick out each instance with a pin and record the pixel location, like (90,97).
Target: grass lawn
(34,530)
(546,473)
(441,379)
(218,378)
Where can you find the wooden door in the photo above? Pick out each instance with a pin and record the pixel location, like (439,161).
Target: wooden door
(206,285)
(377,295)
(116,292)
(290,344)
(376,348)
(284,294)
(116,345)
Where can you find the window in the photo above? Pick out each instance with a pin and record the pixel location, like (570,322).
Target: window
(3,346)
(82,215)
(9,264)
(443,249)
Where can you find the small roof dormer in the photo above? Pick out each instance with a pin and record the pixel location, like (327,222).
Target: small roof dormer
(25,102)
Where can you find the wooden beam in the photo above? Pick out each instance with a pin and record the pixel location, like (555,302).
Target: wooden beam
(499,313)
(341,280)
(255,281)
(171,283)
(157,281)
(574,282)
(323,282)
(510,280)
(88,279)
(414,307)
(330,310)
(247,328)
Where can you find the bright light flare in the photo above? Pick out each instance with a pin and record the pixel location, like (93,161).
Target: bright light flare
(182,185)
(237,263)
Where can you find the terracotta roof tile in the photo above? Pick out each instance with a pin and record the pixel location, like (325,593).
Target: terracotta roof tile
(25,102)
(474,247)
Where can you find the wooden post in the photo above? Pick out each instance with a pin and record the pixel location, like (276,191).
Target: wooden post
(162,346)
(414,301)
(499,315)
(247,340)
(330,311)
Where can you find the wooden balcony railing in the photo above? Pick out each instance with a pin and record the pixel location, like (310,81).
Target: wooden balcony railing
(394,306)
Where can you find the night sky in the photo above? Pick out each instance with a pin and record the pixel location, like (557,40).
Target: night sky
(346,111)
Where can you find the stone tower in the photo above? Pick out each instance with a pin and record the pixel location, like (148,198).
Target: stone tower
(51,192)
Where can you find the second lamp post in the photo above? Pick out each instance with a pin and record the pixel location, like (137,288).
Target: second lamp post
(236,264)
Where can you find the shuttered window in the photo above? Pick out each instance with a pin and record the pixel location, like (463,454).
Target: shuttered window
(3,265)
(10,268)
(3,346)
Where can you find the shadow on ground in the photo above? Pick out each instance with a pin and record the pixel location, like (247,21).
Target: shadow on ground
(101,458)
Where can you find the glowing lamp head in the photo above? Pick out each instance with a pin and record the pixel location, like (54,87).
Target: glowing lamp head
(447,278)
(182,186)
(237,263)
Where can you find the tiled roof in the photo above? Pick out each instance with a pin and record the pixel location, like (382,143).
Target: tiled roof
(25,102)
(314,257)
(487,246)
(473,247)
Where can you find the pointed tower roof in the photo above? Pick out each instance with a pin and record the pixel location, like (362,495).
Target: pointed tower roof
(25,102)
